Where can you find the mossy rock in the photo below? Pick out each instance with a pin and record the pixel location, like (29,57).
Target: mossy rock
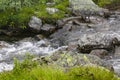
(69,59)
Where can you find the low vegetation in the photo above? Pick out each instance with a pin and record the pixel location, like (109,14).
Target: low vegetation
(29,70)
(104,3)
(16,13)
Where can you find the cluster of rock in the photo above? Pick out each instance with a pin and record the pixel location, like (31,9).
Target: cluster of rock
(36,25)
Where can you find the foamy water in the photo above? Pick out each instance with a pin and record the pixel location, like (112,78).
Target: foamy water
(18,50)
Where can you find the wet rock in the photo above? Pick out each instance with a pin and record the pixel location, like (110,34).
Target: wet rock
(116,65)
(28,39)
(4,44)
(60,23)
(72,47)
(39,37)
(99,52)
(35,23)
(48,29)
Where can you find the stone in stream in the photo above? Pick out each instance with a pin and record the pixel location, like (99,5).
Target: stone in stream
(39,37)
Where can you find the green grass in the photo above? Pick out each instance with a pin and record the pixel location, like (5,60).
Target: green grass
(29,70)
(54,73)
(18,16)
(103,3)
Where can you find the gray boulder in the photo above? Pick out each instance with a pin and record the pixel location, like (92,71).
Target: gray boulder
(84,5)
(35,23)
(86,8)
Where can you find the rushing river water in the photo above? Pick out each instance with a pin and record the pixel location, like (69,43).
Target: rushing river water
(18,50)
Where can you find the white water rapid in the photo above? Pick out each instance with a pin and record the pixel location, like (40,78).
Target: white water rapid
(18,50)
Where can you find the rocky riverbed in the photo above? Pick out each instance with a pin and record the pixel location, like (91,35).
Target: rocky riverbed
(97,42)
(101,37)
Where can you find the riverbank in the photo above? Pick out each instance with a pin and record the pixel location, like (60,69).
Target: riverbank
(30,70)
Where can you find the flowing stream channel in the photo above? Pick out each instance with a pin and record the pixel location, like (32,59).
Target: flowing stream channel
(18,50)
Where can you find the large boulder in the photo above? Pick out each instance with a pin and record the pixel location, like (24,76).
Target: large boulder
(35,23)
(87,8)
(84,5)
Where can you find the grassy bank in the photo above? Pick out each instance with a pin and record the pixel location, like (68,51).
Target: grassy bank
(29,70)
(17,13)
(53,73)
